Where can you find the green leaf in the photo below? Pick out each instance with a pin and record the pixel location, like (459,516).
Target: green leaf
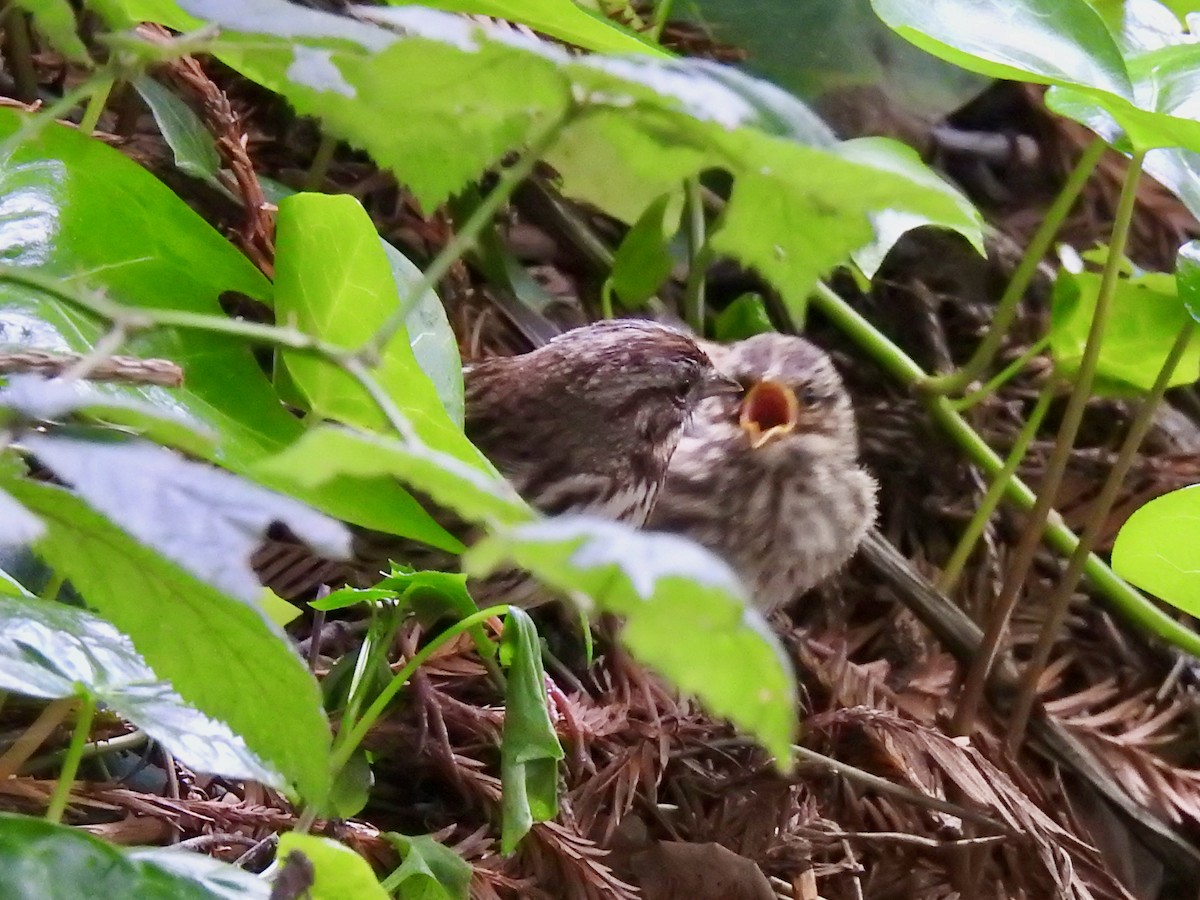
(890,225)
(204,520)
(1145,319)
(1157,548)
(745,317)
(643,259)
(1187,277)
(687,615)
(561,19)
(430,871)
(40,860)
(351,786)
(182,129)
(53,651)
(529,750)
(328,452)
(56,20)
(340,872)
(1139,25)
(218,653)
(1044,41)
(76,206)
(433,342)
(223,881)
(643,123)
(333,279)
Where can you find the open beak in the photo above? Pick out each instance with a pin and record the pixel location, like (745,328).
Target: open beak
(770,410)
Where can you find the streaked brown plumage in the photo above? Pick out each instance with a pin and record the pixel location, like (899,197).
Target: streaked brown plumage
(770,481)
(586,423)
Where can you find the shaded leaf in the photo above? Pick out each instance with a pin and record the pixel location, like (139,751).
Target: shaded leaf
(430,871)
(217,652)
(529,749)
(205,520)
(340,872)
(53,651)
(745,317)
(643,259)
(39,859)
(182,129)
(222,880)
(687,615)
(56,20)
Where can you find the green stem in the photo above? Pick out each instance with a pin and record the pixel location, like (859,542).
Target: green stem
(346,747)
(1006,307)
(694,299)
(1096,519)
(507,182)
(96,104)
(662,12)
(1124,598)
(1064,442)
(1010,371)
(19,49)
(320,164)
(66,777)
(953,569)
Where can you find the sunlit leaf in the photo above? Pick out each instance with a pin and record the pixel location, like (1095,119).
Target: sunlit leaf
(1187,277)
(1157,548)
(687,615)
(340,872)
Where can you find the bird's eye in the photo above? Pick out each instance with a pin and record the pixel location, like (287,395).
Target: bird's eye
(809,395)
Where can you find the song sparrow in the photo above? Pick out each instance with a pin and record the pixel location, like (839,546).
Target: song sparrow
(585,423)
(770,481)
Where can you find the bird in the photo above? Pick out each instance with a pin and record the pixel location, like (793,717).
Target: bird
(586,423)
(770,480)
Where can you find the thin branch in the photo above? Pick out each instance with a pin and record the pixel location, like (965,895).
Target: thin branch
(127,369)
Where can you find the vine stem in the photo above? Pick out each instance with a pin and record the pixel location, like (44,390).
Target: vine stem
(70,766)
(953,569)
(483,214)
(95,105)
(1097,515)
(693,298)
(1124,597)
(344,746)
(1006,307)
(1003,377)
(963,721)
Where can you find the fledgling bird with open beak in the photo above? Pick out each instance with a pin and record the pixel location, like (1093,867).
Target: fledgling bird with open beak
(770,481)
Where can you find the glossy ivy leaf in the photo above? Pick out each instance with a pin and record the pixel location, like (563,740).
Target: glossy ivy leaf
(340,872)
(193,147)
(846,47)
(1144,321)
(223,881)
(32,399)
(1157,549)
(205,520)
(529,749)
(329,452)
(565,20)
(1177,170)
(433,342)
(73,208)
(663,120)
(643,259)
(1139,25)
(56,20)
(1163,112)
(430,871)
(52,651)
(39,859)
(1187,277)
(218,653)
(1044,41)
(333,279)
(687,615)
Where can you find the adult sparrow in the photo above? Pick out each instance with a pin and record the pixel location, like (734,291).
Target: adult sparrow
(770,480)
(586,423)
